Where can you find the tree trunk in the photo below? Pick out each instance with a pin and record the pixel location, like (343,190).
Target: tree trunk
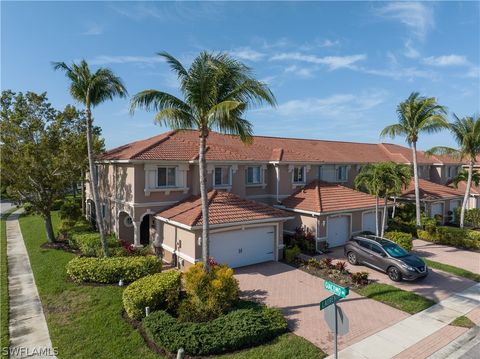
(49,227)
(84,209)
(93,183)
(384,219)
(467,194)
(376,216)
(394,206)
(204,196)
(415,179)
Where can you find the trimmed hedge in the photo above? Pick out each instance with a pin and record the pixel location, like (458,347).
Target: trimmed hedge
(89,243)
(157,291)
(238,329)
(112,269)
(292,253)
(451,236)
(402,239)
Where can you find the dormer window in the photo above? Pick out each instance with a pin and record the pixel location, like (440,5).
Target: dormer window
(222,176)
(254,175)
(298,176)
(166,177)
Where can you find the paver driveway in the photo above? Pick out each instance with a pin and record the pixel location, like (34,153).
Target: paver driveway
(437,285)
(298,295)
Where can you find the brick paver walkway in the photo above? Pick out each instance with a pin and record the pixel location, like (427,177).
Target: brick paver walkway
(469,260)
(298,295)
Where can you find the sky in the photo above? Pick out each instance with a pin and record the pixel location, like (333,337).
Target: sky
(337,69)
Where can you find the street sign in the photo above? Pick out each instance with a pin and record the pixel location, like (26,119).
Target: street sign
(336,289)
(329,301)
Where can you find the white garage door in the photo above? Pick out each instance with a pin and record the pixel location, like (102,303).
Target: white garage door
(368,223)
(243,247)
(338,230)
(437,208)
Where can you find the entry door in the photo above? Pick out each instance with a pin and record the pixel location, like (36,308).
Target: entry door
(437,208)
(338,230)
(243,247)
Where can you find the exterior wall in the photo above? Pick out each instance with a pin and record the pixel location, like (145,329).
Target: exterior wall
(301,220)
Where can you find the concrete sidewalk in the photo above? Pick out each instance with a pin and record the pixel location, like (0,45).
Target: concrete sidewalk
(28,329)
(393,340)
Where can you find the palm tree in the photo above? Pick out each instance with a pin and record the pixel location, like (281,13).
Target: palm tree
(369,180)
(216,90)
(466,133)
(92,89)
(462,176)
(417,115)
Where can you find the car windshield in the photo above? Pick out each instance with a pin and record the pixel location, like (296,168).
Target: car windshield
(395,251)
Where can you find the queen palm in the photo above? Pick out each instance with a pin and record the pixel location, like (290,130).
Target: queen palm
(91,89)
(466,133)
(417,115)
(368,179)
(216,91)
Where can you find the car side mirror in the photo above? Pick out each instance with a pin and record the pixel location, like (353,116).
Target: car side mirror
(383,254)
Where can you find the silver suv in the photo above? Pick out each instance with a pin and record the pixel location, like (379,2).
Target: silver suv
(386,256)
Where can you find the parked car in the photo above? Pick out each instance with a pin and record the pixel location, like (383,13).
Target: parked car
(386,256)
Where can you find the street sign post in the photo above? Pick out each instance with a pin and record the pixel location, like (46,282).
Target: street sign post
(339,292)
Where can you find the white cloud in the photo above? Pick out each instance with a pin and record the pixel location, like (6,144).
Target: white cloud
(410,51)
(333,62)
(300,71)
(246,53)
(143,60)
(446,60)
(416,16)
(474,72)
(92,30)
(402,73)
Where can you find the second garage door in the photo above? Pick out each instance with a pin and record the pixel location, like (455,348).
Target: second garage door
(338,230)
(368,222)
(243,247)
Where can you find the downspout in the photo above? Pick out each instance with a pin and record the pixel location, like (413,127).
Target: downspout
(277,174)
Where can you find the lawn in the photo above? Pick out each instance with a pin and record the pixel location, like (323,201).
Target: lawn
(463,322)
(4,336)
(401,299)
(86,321)
(454,270)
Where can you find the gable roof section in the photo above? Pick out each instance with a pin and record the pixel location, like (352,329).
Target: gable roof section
(224,208)
(324,197)
(431,191)
(462,186)
(183,146)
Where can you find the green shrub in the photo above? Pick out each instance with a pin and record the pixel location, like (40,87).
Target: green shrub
(209,293)
(112,269)
(397,225)
(28,208)
(402,239)
(157,291)
(89,243)
(452,236)
(238,329)
(57,204)
(70,210)
(360,278)
(473,235)
(291,254)
(472,216)
(426,236)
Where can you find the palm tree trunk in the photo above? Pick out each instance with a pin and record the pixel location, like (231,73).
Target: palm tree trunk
(394,206)
(384,219)
(467,194)
(204,196)
(376,216)
(93,183)
(48,227)
(415,179)
(82,181)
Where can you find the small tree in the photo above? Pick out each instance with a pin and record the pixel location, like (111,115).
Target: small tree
(369,180)
(32,152)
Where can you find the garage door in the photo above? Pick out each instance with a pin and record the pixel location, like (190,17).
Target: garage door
(437,208)
(338,230)
(243,247)
(368,223)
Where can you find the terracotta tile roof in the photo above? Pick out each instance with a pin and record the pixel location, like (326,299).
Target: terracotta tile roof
(224,207)
(462,186)
(183,145)
(321,197)
(430,190)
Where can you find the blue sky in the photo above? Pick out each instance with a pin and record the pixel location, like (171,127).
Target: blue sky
(337,69)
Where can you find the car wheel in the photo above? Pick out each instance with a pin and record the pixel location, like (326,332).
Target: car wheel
(394,274)
(352,258)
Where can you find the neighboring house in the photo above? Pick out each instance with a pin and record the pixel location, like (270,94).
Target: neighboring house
(474,193)
(140,180)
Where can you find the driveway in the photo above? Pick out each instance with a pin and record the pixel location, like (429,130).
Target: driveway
(437,286)
(468,260)
(298,295)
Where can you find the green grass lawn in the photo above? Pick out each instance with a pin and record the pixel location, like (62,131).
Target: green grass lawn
(401,299)
(463,322)
(86,321)
(4,336)
(454,270)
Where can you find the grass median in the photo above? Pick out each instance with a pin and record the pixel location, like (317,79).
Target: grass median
(453,270)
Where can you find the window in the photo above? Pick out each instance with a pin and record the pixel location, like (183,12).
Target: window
(166,177)
(449,172)
(299,174)
(342,173)
(254,175)
(320,172)
(222,176)
(376,249)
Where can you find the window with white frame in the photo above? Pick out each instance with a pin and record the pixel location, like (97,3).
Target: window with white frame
(341,173)
(254,175)
(222,176)
(166,176)
(298,175)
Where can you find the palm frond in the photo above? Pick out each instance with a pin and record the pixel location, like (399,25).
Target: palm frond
(444,151)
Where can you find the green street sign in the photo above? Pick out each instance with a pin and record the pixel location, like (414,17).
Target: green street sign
(336,289)
(329,301)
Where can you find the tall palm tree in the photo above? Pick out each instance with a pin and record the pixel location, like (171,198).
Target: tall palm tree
(417,115)
(91,89)
(369,179)
(466,133)
(216,90)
